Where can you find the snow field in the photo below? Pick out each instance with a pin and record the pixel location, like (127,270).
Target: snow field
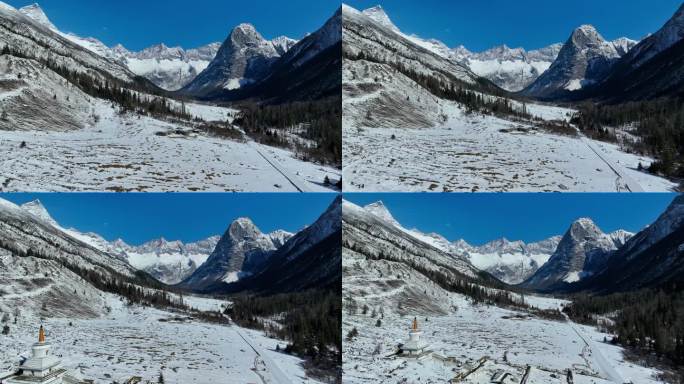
(135,341)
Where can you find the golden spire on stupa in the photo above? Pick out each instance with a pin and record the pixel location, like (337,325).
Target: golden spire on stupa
(41,334)
(415,324)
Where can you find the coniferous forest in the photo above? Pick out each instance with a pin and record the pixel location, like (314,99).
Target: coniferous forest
(318,123)
(649,322)
(657,124)
(310,322)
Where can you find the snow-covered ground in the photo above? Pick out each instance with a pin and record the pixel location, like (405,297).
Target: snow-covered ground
(134,341)
(506,340)
(482,153)
(125,153)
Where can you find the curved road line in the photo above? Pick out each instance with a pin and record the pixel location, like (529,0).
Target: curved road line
(278,376)
(628,182)
(596,356)
(277,167)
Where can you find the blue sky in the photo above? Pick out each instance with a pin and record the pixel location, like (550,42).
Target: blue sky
(140,23)
(482,217)
(137,218)
(532,24)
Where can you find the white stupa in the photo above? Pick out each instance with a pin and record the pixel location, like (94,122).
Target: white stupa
(414,346)
(41,368)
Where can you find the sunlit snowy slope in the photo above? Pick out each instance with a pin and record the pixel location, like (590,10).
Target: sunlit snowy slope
(399,136)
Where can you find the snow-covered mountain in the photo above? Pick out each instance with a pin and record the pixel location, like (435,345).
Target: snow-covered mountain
(583,251)
(170,68)
(652,258)
(512,261)
(385,261)
(242,251)
(373,231)
(512,69)
(381,67)
(310,70)
(586,58)
(38,263)
(509,261)
(244,58)
(167,261)
(667,36)
(310,259)
(652,69)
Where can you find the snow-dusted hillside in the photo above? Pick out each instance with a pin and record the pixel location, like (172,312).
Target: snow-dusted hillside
(377,61)
(399,136)
(391,278)
(181,348)
(34,279)
(452,150)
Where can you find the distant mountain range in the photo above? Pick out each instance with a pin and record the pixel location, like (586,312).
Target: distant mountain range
(170,68)
(242,259)
(583,258)
(585,66)
(244,66)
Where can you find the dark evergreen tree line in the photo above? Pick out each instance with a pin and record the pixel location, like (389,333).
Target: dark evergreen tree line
(310,321)
(319,121)
(650,322)
(452,281)
(658,123)
(110,89)
(139,289)
(477,97)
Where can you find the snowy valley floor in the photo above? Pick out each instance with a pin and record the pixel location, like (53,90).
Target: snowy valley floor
(476,153)
(126,153)
(132,341)
(487,339)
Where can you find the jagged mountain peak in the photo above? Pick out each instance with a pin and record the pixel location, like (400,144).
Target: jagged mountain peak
(585,59)
(282,44)
(380,210)
(245,33)
(37,209)
(243,228)
(587,30)
(36,13)
(584,228)
(378,14)
(587,37)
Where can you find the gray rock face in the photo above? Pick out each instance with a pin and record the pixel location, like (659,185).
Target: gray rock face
(654,257)
(583,251)
(241,251)
(244,58)
(585,59)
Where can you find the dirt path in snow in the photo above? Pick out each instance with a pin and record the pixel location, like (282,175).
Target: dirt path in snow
(261,359)
(596,356)
(294,180)
(623,182)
